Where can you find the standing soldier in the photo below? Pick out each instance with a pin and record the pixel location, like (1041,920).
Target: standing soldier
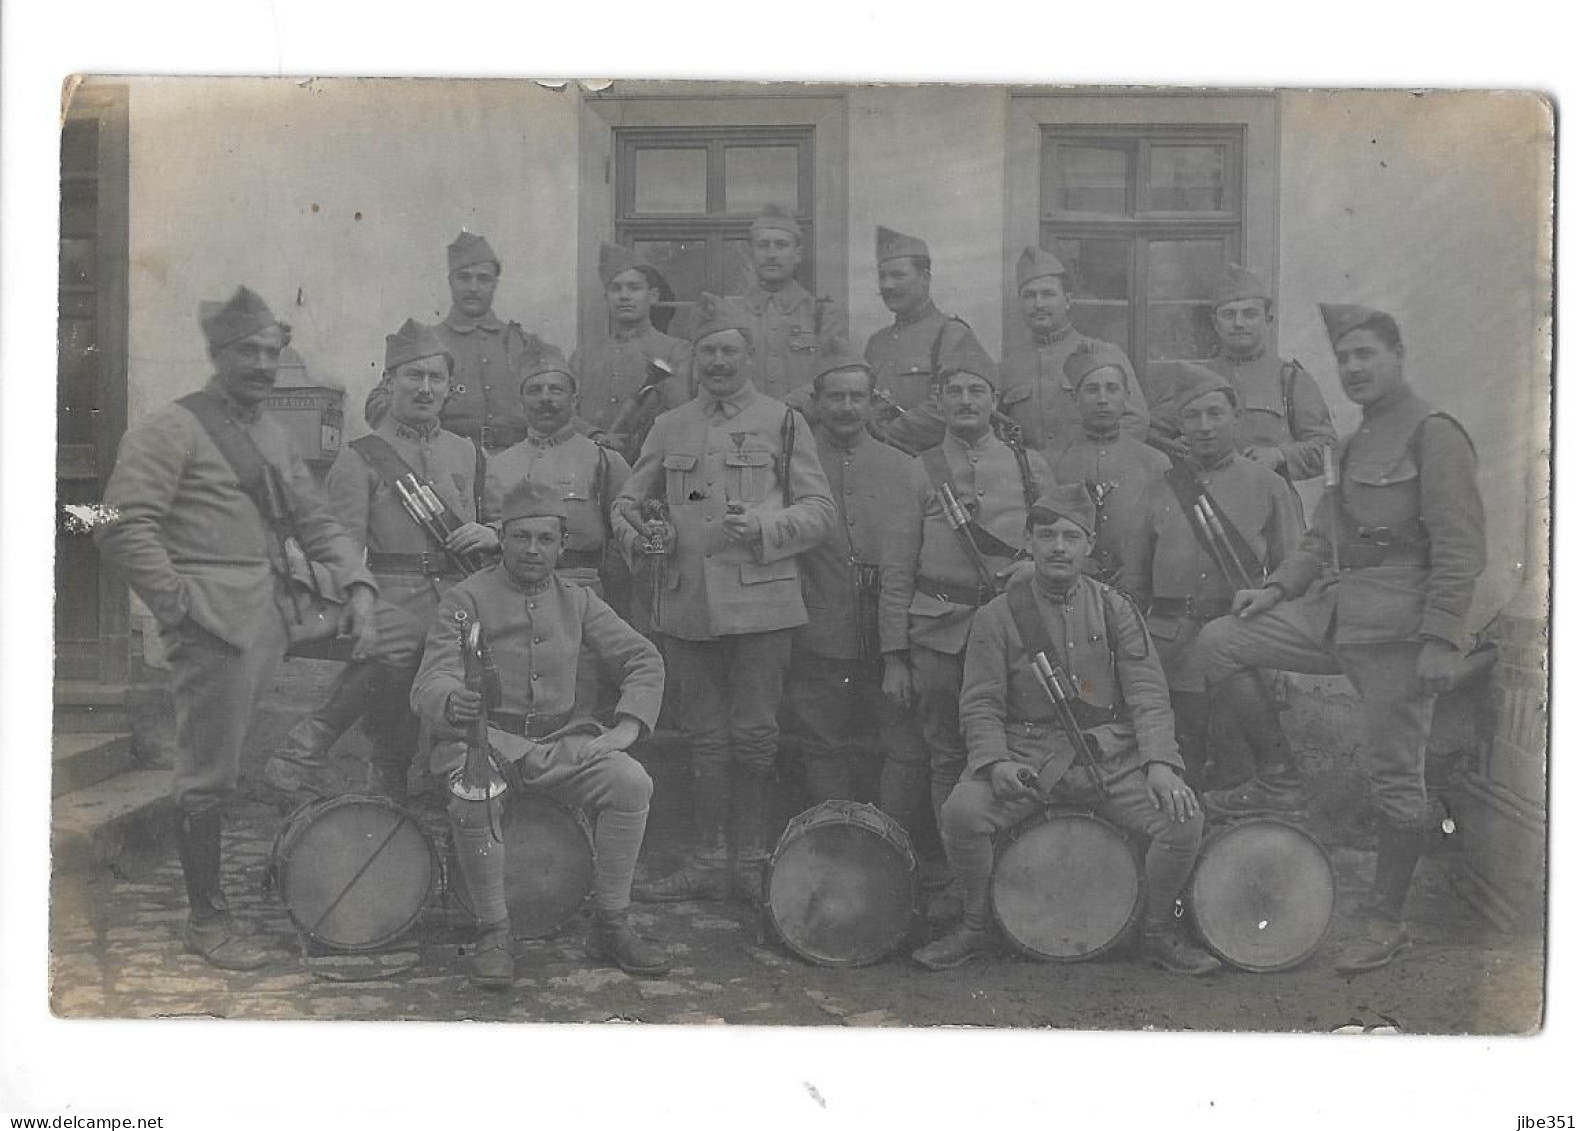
(408,450)
(539,628)
(1020,759)
(1378,590)
(1037,388)
(1285,426)
(585,475)
(1114,466)
(1213,524)
(833,692)
(960,526)
(212,510)
(622,389)
(921,344)
(743,494)
(491,356)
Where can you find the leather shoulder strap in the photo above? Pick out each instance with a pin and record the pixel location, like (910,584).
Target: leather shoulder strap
(1027,618)
(238,449)
(390,467)
(935,461)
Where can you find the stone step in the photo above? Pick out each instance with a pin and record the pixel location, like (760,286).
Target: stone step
(91,826)
(82,760)
(88,707)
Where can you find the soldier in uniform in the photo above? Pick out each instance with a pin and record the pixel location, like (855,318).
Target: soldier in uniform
(833,691)
(585,475)
(612,375)
(412,568)
(932,581)
(921,344)
(537,626)
(1183,569)
(1114,465)
(1020,759)
(212,510)
(1037,389)
(1379,590)
(744,495)
(490,356)
(1285,425)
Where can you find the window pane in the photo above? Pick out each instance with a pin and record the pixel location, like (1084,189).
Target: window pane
(759,175)
(1084,179)
(80,147)
(1180,275)
(1187,178)
(681,261)
(77,262)
(1097,268)
(669,181)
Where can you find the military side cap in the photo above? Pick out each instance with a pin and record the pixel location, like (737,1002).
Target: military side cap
(1085,361)
(467,250)
(778,217)
(1236,283)
(1034,262)
(837,363)
(614,260)
(532,500)
(412,342)
(545,367)
(1190,381)
(965,355)
(1067,500)
(242,315)
(1340,319)
(893,245)
(715,314)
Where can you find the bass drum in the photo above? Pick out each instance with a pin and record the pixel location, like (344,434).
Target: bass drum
(1067,886)
(1262,894)
(840,888)
(550,864)
(354,872)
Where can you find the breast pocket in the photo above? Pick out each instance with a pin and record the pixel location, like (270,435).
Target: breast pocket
(572,487)
(750,474)
(681,472)
(803,341)
(758,573)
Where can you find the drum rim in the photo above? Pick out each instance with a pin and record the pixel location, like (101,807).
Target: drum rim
(888,824)
(455,892)
(280,867)
(1040,817)
(1221,833)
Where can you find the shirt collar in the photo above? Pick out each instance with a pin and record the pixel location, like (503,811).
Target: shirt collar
(529,590)
(241,413)
(924,311)
(1058,596)
(561,435)
(1053,337)
(417,435)
(1108,436)
(830,443)
(633,335)
(1241,358)
(1388,403)
(979,445)
(728,407)
(463,324)
(785,300)
(1216,464)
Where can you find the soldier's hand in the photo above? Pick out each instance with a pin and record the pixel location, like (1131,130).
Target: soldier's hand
(897,682)
(1008,784)
(1267,456)
(619,737)
(1170,793)
(472,538)
(464,707)
(1436,665)
(1252,602)
(357,621)
(742,527)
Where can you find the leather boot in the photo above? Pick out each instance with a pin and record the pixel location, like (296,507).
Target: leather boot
(1165,946)
(708,874)
(1243,702)
(612,939)
(490,965)
(210,932)
(300,767)
(393,732)
(976,935)
(1386,937)
(751,799)
(1190,716)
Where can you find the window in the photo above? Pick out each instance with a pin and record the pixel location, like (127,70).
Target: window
(1145,218)
(685,198)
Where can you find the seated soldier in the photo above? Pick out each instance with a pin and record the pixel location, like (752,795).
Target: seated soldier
(1019,759)
(536,624)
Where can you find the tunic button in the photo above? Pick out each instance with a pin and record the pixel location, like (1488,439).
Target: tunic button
(487,388)
(535,676)
(982,494)
(539,640)
(848,490)
(850,522)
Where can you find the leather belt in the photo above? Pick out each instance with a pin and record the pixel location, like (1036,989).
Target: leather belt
(1191,607)
(579,559)
(973,595)
(429,565)
(1365,555)
(530,725)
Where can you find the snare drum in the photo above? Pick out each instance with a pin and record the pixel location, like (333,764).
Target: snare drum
(840,890)
(354,872)
(550,864)
(1262,894)
(1067,886)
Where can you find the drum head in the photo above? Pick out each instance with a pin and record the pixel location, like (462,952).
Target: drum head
(841,886)
(550,864)
(1067,887)
(1262,894)
(354,872)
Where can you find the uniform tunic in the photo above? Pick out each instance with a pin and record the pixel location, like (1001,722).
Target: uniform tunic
(1115,467)
(618,367)
(701,457)
(901,356)
(492,357)
(1039,397)
(793,333)
(570,464)
(1164,560)
(1300,426)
